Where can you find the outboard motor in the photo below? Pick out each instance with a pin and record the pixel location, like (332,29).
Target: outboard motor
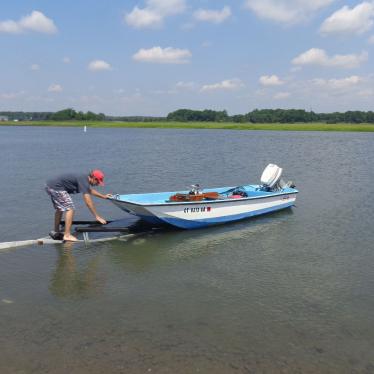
(195,189)
(271,179)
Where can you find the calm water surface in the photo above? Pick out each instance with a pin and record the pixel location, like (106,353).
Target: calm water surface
(289,292)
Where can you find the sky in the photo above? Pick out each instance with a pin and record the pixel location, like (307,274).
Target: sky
(151,57)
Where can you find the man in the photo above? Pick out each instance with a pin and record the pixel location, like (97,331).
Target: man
(60,188)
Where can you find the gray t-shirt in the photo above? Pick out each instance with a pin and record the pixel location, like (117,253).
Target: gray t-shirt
(71,183)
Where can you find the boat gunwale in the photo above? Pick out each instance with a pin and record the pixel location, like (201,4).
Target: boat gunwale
(218,201)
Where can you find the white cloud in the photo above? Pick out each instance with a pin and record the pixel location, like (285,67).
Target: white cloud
(35,67)
(347,20)
(295,69)
(163,92)
(186,85)
(99,65)
(338,83)
(286,11)
(55,88)
(154,13)
(8,96)
(163,55)
(36,22)
(371,39)
(140,18)
(11,95)
(366,93)
(351,92)
(316,56)
(270,80)
(214,16)
(10,27)
(225,85)
(167,7)
(132,99)
(313,56)
(282,95)
(66,60)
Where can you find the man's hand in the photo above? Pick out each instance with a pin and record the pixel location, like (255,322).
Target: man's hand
(101,220)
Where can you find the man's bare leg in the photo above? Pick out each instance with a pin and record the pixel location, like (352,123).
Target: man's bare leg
(68,222)
(58,216)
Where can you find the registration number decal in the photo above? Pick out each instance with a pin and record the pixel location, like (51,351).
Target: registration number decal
(201,209)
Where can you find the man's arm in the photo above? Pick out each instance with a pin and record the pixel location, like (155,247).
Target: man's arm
(98,194)
(88,200)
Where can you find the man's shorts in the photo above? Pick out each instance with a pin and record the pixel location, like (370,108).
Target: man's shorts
(61,200)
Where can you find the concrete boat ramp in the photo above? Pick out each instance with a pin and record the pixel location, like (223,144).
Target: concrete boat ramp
(47,240)
(124,229)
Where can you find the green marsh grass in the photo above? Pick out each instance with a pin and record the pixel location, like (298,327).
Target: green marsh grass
(346,127)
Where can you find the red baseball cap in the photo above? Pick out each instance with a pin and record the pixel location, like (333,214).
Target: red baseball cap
(98,175)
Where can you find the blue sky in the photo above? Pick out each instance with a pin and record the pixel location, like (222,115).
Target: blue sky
(150,57)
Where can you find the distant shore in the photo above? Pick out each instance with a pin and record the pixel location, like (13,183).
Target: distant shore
(343,127)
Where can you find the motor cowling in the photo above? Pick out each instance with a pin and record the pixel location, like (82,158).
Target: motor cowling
(271,176)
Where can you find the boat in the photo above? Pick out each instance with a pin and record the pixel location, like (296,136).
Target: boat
(197,208)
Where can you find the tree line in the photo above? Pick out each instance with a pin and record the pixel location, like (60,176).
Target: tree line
(62,115)
(271,116)
(70,114)
(190,115)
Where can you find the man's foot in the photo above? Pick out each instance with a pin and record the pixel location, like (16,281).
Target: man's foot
(70,238)
(56,235)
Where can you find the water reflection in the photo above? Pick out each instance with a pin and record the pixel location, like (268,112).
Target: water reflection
(164,247)
(79,273)
(70,278)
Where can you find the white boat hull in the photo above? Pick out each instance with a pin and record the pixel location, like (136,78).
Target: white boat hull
(190,215)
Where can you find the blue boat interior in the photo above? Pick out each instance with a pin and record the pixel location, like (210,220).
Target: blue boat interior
(250,191)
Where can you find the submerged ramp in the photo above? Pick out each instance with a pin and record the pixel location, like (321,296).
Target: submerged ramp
(125,229)
(25,243)
(20,243)
(47,240)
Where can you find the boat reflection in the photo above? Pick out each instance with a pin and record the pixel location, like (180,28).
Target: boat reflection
(79,270)
(165,247)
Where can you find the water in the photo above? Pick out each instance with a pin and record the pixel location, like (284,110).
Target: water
(287,292)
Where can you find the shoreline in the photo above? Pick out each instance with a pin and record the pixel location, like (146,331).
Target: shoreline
(339,127)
